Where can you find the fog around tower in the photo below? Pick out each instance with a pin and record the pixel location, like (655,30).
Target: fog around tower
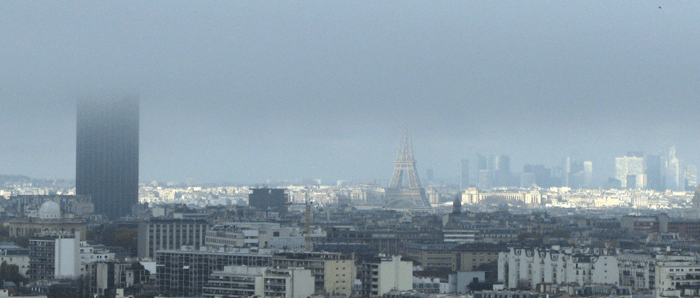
(245,92)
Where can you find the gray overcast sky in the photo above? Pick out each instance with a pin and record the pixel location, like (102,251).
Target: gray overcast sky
(247,91)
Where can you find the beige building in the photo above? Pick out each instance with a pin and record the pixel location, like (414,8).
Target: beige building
(465,257)
(474,196)
(50,220)
(21,261)
(340,277)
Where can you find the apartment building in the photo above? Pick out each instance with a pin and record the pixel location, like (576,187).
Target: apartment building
(333,273)
(170,234)
(532,266)
(242,281)
(185,272)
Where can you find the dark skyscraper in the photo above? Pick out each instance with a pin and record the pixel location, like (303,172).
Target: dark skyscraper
(107,154)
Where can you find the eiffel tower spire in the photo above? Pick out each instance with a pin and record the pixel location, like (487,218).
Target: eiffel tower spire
(412,195)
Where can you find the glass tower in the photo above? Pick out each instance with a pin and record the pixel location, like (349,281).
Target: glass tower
(107,153)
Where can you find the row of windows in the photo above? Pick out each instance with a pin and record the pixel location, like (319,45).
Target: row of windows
(681,270)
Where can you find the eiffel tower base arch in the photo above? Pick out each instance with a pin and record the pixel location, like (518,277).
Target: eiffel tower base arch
(410,198)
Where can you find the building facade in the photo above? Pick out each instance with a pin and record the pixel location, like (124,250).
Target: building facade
(170,234)
(185,272)
(268,199)
(241,281)
(333,273)
(530,267)
(385,274)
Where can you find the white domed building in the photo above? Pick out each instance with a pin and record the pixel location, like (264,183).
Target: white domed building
(49,222)
(50,210)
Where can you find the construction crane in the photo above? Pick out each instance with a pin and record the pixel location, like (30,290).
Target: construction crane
(307,233)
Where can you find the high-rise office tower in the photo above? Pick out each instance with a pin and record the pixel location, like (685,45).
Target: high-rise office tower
(653,170)
(543,175)
(588,173)
(480,163)
(675,171)
(485,179)
(691,177)
(502,174)
(633,166)
(107,153)
(464,174)
(566,166)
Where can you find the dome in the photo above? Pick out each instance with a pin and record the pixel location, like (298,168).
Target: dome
(49,210)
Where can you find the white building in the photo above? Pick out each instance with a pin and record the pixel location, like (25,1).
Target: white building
(637,271)
(677,275)
(387,274)
(67,256)
(241,281)
(630,166)
(71,255)
(532,266)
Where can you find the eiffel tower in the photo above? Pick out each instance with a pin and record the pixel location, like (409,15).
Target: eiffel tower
(398,195)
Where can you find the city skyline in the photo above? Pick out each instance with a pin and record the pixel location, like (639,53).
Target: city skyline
(250,92)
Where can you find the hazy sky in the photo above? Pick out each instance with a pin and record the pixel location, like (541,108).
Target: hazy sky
(248,91)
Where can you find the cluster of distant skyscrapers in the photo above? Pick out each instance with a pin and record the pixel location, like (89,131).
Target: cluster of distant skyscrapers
(633,171)
(495,171)
(656,172)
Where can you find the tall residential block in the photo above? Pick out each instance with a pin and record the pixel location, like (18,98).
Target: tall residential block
(107,153)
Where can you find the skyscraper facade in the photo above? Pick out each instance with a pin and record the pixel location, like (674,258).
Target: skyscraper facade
(464,174)
(107,153)
(675,171)
(630,168)
(480,163)
(655,175)
(691,177)
(588,174)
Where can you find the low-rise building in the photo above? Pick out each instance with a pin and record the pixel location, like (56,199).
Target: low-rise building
(241,281)
(185,272)
(334,273)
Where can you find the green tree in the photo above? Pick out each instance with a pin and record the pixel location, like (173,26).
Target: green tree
(10,272)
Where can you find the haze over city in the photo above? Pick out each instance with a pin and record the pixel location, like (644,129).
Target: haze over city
(245,92)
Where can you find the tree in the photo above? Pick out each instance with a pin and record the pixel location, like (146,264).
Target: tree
(10,272)
(111,235)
